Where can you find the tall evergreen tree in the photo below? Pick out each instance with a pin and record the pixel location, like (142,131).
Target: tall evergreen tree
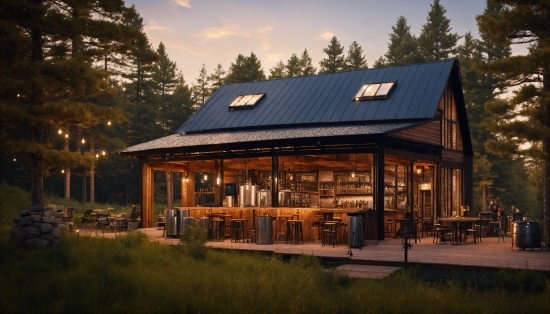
(216,79)
(165,81)
(277,71)
(48,50)
(402,47)
(525,118)
(334,62)
(306,64)
(293,66)
(201,90)
(436,42)
(245,69)
(181,105)
(355,60)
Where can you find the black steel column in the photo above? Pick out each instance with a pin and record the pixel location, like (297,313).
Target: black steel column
(274,181)
(222,184)
(379,169)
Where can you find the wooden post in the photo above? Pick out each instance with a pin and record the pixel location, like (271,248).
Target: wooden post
(169,190)
(379,200)
(147,196)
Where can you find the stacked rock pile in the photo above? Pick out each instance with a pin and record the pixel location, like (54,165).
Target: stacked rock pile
(39,227)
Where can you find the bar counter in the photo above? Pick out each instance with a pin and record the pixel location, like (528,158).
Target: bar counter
(309,216)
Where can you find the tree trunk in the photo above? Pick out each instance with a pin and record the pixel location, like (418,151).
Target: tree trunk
(67,195)
(92,171)
(37,100)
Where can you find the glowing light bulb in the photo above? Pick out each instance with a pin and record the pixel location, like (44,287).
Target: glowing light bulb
(59,131)
(66,135)
(103,153)
(83,141)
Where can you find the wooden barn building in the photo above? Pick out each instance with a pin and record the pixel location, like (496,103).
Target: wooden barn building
(392,142)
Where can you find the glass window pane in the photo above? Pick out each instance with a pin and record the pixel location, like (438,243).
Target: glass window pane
(235,101)
(384,89)
(361,91)
(244,100)
(371,90)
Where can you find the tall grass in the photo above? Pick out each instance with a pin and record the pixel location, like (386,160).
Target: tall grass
(131,274)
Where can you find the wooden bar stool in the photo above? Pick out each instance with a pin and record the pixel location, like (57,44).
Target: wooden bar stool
(216,229)
(294,231)
(330,234)
(237,230)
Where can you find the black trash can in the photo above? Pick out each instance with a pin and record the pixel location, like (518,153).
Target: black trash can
(356,238)
(526,234)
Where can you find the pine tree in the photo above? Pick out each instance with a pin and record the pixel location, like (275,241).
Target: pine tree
(245,69)
(306,64)
(201,90)
(48,75)
(334,62)
(403,47)
(216,79)
(436,42)
(355,59)
(277,71)
(164,80)
(181,105)
(293,66)
(525,118)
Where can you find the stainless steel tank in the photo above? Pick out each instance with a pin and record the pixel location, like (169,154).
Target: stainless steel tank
(171,213)
(181,214)
(264,229)
(171,226)
(230,200)
(248,195)
(186,222)
(264,198)
(284,198)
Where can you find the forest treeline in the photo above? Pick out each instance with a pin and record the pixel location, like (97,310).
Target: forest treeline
(80,80)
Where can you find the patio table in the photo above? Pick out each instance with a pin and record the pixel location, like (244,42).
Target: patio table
(457,223)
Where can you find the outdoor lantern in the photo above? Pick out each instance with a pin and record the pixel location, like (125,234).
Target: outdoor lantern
(83,141)
(205,177)
(66,135)
(103,153)
(62,170)
(218,180)
(60,131)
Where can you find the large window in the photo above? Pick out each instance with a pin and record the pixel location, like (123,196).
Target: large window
(451,191)
(450,135)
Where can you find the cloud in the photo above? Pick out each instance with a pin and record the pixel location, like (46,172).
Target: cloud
(327,35)
(153,26)
(183,3)
(228,29)
(265,29)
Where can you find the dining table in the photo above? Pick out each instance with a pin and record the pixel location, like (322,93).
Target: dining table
(457,224)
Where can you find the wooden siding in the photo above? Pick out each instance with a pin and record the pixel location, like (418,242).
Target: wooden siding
(453,156)
(426,133)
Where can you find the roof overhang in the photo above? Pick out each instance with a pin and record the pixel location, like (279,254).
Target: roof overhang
(197,143)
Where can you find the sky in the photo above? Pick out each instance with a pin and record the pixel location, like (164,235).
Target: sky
(197,32)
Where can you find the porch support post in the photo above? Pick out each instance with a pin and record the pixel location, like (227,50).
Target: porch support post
(147,196)
(379,170)
(274,179)
(222,185)
(468,182)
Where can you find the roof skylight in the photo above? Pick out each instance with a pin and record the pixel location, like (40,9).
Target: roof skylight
(374,91)
(246,101)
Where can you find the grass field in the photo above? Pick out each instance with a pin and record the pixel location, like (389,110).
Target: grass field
(130,274)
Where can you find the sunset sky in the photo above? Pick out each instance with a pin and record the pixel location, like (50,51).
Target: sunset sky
(216,31)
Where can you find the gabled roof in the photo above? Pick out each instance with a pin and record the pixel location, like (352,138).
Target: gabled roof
(328,99)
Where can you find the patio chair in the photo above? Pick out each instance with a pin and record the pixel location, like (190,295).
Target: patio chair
(87,218)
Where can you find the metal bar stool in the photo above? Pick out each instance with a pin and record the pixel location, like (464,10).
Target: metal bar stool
(294,231)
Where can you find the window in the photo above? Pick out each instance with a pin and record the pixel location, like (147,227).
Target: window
(374,91)
(246,101)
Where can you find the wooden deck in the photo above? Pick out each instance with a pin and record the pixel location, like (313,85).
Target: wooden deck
(490,254)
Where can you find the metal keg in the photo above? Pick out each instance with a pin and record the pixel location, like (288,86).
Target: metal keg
(264,198)
(526,234)
(264,229)
(284,198)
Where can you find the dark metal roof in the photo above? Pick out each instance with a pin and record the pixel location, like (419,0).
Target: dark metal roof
(327,99)
(183,141)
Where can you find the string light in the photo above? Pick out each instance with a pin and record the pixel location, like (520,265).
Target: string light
(60,131)
(62,170)
(83,141)
(66,135)
(109,122)
(103,153)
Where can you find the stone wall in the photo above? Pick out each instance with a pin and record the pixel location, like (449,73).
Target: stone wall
(39,227)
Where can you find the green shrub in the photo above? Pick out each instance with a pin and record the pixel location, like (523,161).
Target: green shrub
(13,200)
(194,239)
